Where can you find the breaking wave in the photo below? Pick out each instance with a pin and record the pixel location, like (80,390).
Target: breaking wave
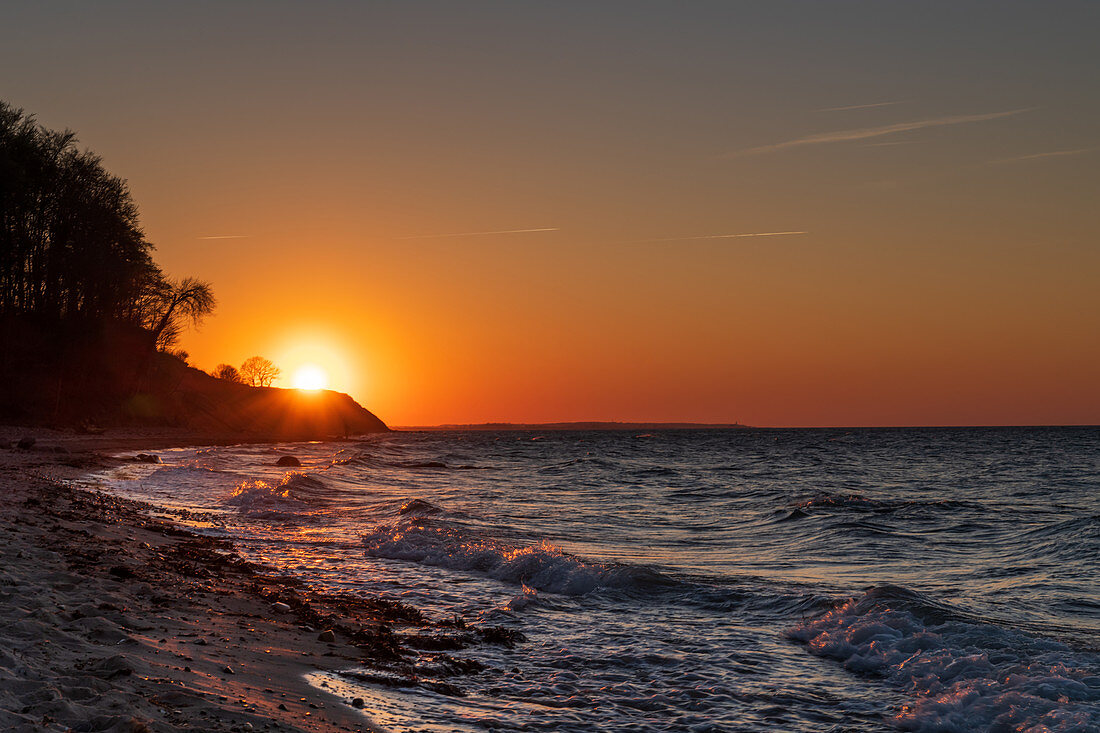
(963,672)
(541,566)
(296,493)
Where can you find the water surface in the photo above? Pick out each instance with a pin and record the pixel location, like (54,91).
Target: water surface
(743,580)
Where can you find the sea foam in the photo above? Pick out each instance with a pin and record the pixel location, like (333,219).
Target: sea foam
(542,565)
(963,674)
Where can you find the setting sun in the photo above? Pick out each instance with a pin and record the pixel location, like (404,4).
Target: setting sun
(310,377)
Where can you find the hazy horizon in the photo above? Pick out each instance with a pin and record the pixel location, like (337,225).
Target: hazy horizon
(779,214)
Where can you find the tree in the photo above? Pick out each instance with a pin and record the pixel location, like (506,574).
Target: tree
(229,373)
(173,304)
(71,248)
(259,372)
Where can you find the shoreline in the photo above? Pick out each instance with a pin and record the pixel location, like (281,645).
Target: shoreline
(113,620)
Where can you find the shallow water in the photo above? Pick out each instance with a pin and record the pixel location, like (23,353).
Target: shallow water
(764,580)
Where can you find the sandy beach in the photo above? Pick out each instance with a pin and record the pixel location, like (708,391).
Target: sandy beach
(111,620)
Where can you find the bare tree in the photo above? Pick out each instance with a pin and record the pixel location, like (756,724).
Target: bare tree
(259,372)
(229,373)
(175,303)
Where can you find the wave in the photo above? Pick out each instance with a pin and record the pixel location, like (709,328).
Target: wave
(296,493)
(409,465)
(862,504)
(541,566)
(963,672)
(418,506)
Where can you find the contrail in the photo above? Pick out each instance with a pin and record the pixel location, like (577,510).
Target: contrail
(1051,154)
(869,132)
(858,106)
(479,234)
(722,236)
(227,236)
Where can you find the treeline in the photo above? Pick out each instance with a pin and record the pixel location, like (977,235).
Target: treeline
(71,246)
(83,306)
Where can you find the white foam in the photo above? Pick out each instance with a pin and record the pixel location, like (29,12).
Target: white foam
(295,493)
(963,676)
(541,566)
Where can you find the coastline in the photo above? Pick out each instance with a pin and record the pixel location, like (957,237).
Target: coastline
(111,620)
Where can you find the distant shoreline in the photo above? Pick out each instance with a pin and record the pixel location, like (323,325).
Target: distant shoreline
(628,426)
(489,426)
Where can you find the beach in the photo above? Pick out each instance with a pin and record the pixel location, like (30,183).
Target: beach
(706,580)
(111,620)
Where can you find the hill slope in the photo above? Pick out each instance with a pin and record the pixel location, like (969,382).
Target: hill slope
(181,395)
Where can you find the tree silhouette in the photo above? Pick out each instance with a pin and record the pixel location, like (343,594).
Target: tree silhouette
(70,243)
(259,372)
(229,373)
(71,247)
(174,303)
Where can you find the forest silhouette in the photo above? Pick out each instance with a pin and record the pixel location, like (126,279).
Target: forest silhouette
(71,248)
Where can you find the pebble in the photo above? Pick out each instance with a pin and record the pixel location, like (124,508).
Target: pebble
(228,670)
(280,606)
(327,636)
(358,703)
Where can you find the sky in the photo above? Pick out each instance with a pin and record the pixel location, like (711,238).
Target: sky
(777,213)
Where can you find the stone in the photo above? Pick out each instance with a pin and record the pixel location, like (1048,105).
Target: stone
(358,703)
(25,443)
(327,636)
(280,607)
(288,461)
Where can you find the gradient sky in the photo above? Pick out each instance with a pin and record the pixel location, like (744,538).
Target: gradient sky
(353,178)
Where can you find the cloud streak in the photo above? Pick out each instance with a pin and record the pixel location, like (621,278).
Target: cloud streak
(858,106)
(865,133)
(722,236)
(227,236)
(1051,154)
(481,234)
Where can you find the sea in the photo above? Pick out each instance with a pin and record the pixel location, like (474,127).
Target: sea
(843,580)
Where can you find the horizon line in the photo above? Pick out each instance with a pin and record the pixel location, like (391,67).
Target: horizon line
(522,426)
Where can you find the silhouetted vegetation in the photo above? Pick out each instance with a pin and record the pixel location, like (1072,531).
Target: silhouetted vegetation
(82,304)
(89,324)
(71,243)
(259,372)
(176,303)
(228,372)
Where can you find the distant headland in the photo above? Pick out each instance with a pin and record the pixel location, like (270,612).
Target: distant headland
(627,426)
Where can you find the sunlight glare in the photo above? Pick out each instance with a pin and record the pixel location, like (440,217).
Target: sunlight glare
(310,377)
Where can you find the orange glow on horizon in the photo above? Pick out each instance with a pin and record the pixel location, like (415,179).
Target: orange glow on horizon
(720,215)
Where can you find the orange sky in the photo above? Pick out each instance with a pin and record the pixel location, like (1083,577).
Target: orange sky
(947,273)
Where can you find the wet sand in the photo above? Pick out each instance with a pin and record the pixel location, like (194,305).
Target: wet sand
(112,620)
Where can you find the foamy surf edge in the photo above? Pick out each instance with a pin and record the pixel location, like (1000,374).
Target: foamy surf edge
(963,675)
(542,566)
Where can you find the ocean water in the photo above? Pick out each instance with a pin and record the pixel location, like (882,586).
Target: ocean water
(747,580)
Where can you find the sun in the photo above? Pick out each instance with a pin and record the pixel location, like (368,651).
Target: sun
(310,377)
